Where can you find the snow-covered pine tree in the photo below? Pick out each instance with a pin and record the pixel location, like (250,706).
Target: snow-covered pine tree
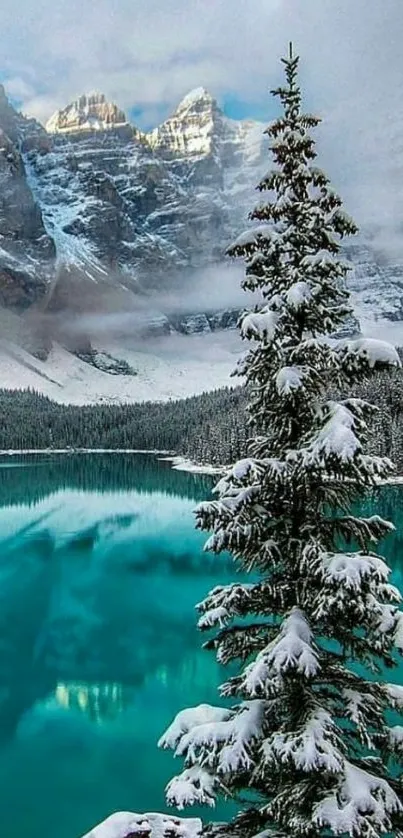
(308,745)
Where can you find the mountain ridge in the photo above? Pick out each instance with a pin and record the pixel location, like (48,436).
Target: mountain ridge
(99,218)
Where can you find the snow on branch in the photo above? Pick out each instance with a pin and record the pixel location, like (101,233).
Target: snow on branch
(336,438)
(260,325)
(322,259)
(386,619)
(342,222)
(218,616)
(249,469)
(246,469)
(194,786)
(289,379)
(253,237)
(190,718)
(299,294)
(373,352)
(222,744)
(359,581)
(223,602)
(358,705)
(364,530)
(290,650)
(351,569)
(310,747)
(394,695)
(361,804)
(130,825)
(227,507)
(395,736)
(247,727)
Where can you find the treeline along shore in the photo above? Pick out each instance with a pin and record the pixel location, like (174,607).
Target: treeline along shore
(210,428)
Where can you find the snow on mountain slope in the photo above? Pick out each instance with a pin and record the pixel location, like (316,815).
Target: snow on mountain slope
(146,208)
(167,369)
(190,131)
(376,285)
(94,210)
(113,207)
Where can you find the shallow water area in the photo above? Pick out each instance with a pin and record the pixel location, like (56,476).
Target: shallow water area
(100,569)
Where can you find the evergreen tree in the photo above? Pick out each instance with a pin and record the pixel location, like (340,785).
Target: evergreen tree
(307,739)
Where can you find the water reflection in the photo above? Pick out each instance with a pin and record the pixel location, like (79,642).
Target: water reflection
(45,474)
(387,501)
(99,701)
(100,568)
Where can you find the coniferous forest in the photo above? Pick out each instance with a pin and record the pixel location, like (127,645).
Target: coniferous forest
(210,428)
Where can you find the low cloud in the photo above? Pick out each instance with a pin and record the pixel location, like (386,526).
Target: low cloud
(129,316)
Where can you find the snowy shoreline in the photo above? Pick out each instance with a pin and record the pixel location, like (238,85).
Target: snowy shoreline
(183,464)
(179,463)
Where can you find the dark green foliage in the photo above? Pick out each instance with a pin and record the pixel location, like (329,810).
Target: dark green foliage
(207,428)
(210,428)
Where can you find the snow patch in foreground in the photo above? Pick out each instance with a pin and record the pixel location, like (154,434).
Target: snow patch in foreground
(130,825)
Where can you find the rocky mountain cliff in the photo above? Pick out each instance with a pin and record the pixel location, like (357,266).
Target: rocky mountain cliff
(93,211)
(144,207)
(88,113)
(26,250)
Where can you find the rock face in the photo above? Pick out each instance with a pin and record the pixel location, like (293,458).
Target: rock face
(93,205)
(145,208)
(198,129)
(26,250)
(376,284)
(88,113)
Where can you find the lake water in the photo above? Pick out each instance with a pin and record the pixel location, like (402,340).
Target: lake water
(100,569)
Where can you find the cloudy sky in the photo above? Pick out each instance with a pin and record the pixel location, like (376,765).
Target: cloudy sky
(145,54)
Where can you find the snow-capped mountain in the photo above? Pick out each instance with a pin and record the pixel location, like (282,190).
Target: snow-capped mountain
(198,129)
(94,212)
(89,113)
(144,207)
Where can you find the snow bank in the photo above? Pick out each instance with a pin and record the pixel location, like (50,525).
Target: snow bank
(151,825)
(183,464)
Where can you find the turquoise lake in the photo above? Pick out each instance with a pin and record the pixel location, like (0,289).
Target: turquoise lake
(100,569)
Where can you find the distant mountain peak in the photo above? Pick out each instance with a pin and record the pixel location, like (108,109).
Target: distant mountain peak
(197,99)
(90,112)
(191,128)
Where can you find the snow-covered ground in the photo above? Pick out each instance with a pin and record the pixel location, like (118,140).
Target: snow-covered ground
(129,825)
(167,368)
(170,367)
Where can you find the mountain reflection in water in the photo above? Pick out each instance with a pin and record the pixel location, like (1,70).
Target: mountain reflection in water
(100,569)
